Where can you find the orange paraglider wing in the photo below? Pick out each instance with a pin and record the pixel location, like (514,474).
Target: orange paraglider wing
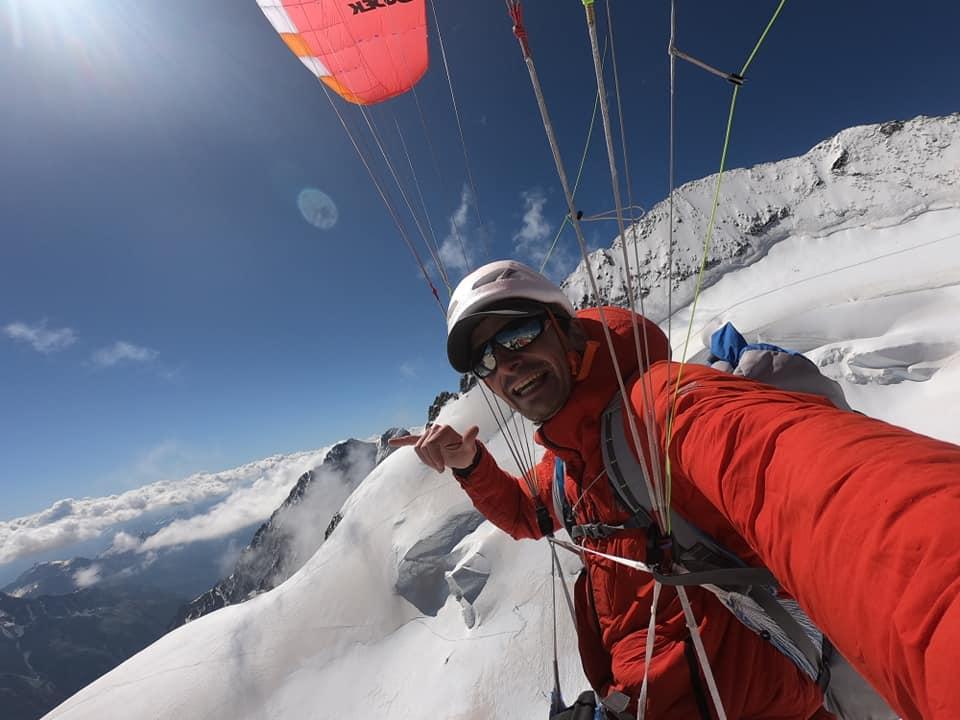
(365,50)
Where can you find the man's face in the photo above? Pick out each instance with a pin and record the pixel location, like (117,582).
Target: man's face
(534,381)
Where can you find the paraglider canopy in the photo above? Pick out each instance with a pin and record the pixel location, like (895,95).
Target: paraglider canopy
(366,51)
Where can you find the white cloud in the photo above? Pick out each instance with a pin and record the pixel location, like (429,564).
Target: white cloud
(122,351)
(244,506)
(87,576)
(123,542)
(533,240)
(455,250)
(536,228)
(408,370)
(243,496)
(40,338)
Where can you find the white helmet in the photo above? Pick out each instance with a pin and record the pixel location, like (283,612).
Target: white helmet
(494,289)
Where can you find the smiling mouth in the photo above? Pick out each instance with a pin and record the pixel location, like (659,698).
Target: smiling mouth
(528,384)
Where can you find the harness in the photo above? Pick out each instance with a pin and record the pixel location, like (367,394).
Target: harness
(750,593)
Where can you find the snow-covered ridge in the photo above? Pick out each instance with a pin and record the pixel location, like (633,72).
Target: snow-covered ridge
(881,174)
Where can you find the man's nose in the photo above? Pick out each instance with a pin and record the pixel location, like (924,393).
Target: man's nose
(507,359)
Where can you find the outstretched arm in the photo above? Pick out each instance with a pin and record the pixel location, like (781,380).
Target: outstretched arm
(856,518)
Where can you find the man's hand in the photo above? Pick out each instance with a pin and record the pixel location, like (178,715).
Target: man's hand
(441,446)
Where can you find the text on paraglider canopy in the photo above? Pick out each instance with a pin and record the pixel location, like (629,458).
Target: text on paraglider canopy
(362,6)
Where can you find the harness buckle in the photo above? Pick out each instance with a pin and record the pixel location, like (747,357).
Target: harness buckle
(660,548)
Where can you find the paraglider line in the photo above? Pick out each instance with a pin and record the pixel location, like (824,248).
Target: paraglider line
(456,112)
(576,183)
(710,227)
(436,167)
(431,246)
(386,201)
(641,345)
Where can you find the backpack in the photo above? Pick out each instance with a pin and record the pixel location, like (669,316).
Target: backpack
(585,708)
(750,593)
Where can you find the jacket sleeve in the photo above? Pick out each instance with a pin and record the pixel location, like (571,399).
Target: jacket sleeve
(504,499)
(857,518)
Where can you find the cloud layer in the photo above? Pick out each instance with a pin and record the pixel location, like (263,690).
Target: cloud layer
(232,499)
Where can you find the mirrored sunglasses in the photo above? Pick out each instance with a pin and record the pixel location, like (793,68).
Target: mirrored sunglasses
(515,336)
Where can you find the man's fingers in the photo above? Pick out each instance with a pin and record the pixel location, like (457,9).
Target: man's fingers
(403,441)
(428,451)
(440,445)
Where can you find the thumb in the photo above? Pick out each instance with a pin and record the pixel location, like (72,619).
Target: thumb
(470,436)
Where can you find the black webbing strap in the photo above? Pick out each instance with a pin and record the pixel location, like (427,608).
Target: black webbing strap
(727,577)
(544,521)
(599,530)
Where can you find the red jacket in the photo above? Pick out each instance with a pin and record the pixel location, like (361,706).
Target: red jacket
(855,517)
(613,602)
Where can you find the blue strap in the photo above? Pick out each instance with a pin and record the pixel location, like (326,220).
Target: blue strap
(561,506)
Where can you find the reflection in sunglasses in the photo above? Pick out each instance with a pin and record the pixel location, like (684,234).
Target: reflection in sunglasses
(515,336)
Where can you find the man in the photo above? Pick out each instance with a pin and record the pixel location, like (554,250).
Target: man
(783,480)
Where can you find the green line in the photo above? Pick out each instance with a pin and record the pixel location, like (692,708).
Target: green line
(763,37)
(708,239)
(576,184)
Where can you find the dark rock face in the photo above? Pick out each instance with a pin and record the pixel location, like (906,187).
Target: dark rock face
(889,128)
(334,521)
(442,399)
(840,162)
(52,646)
(764,223)
(296,529)
(383,449)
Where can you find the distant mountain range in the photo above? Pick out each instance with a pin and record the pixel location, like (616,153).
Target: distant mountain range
(66,622)
(182,570)
(52,646)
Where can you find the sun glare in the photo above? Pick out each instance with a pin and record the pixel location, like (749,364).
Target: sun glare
(80,32)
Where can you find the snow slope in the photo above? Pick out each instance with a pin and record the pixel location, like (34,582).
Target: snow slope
(860,269)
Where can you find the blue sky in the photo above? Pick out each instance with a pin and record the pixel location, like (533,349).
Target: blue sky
(166,308)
